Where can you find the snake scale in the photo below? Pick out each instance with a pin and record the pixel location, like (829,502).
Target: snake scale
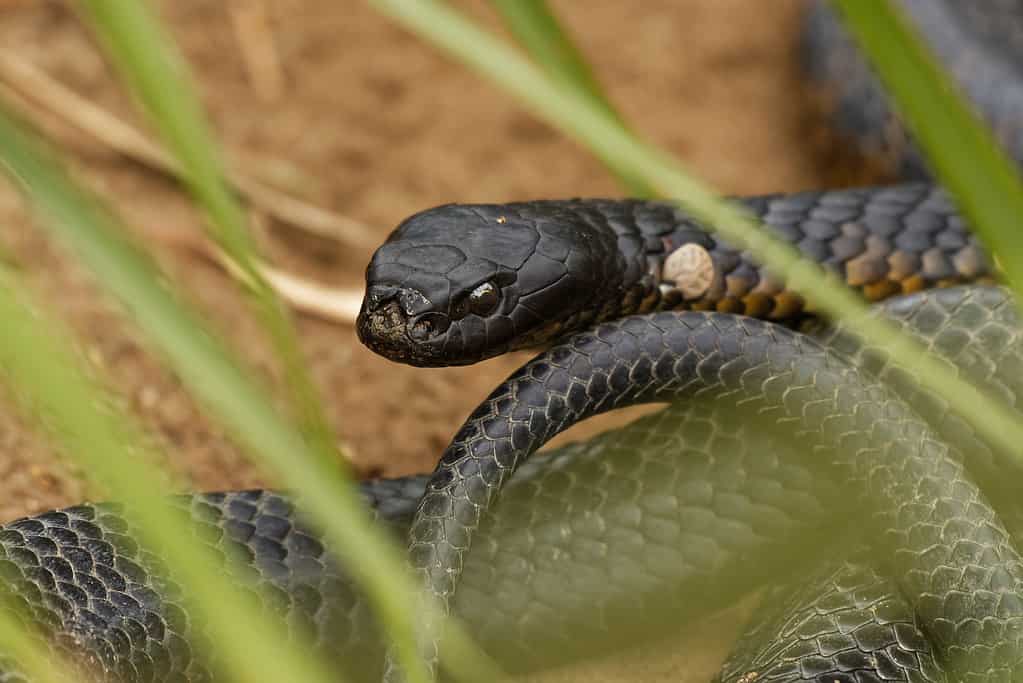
(836,454)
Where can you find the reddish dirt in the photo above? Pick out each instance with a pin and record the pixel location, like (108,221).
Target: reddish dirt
(375,125)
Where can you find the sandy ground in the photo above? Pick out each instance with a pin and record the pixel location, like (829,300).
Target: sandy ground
(374,124)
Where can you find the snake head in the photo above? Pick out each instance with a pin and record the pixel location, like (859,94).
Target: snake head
(458,284)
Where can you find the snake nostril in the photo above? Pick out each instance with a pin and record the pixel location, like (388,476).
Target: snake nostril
(427,325)
(421,330)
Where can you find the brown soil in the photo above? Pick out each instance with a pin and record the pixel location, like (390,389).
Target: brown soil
(374,124)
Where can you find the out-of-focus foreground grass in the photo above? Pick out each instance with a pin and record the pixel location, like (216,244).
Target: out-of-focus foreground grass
(558,86)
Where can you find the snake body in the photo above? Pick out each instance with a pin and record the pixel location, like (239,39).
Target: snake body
(980,44)
(603,543)
(681,512)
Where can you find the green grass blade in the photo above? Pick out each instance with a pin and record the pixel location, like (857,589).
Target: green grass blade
(983,180)
(576,116)
(48,380)
(157,75)
(534,25)
(30,652)
(537,29)
(328,498)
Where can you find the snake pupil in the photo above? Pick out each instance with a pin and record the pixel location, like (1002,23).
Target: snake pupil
(483,299)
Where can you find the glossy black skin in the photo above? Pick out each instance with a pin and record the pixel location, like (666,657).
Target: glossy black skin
(419,306)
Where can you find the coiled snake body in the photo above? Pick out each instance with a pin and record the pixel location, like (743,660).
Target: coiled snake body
(662,521)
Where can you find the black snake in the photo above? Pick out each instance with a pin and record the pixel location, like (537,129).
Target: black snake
(673,516)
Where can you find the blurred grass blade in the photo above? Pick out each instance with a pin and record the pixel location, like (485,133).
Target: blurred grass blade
(48,381)
(534,25)
(33,656)
(152,67)
(983,180)
(576,116)
(328,499)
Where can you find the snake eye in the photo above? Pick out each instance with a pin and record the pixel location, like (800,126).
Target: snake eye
(483,300)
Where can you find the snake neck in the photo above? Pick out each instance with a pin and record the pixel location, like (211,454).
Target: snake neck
(882,242)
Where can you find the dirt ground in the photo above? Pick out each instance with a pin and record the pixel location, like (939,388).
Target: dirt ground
(373,124)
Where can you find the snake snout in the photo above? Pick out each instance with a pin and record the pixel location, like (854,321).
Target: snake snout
(390,325)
